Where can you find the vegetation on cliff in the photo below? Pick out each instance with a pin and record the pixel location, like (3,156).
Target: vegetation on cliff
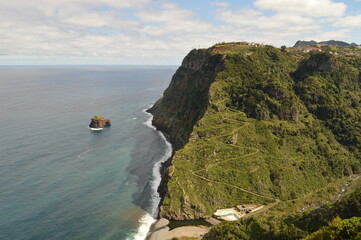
(255,124)
(177,111)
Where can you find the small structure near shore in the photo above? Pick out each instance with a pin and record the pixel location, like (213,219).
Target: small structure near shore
(233,214)
(98,122)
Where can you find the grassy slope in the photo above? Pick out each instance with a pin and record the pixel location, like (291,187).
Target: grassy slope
(256,143)
(274,226)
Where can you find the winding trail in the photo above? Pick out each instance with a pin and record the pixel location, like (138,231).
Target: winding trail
(251,151)
(255,151)
(276,201)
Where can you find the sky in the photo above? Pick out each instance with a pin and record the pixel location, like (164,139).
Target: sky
(161,32)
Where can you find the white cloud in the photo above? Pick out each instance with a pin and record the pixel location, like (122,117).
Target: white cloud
(64,27)
(335,35)
(121,30)
(101,29)
(172,19)
(256,19)
(288,20)
(349,21)
(99,20)
(313,8)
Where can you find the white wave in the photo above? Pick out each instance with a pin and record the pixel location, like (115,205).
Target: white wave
(157,176)
(134,118)
(149,218)
(145,222)
(95,129)
(148,123)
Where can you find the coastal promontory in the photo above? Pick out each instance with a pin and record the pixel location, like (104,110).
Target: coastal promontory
(99,122)
(253,124)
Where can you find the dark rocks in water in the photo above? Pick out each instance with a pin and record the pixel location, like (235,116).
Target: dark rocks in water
(99,122)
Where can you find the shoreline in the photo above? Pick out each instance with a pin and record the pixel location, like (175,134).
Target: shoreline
(150,219)
(158,229)
(152,226)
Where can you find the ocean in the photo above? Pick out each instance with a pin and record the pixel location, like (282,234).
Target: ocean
(59,179)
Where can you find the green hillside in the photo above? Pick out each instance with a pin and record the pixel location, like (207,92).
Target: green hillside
(324,222)
(259,125)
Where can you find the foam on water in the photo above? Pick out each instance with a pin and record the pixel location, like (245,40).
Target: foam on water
(145,222)
(148,123)
(95,129)
(149,218)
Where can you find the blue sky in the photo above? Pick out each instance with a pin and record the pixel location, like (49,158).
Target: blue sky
(161,32)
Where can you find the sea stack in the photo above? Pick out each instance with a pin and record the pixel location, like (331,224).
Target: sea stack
(99,122)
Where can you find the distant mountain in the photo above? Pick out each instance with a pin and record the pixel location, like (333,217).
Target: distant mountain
(337,43)
(330,42)
(304,43)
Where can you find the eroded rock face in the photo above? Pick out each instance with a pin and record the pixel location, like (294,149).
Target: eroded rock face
(99,122)
(186,99)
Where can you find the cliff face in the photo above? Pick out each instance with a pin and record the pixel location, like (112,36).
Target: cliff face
(186,99)
(249,122)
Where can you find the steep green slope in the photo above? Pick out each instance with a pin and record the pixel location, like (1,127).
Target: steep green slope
(339,229)
(185,100)
(248,130)
(331,90)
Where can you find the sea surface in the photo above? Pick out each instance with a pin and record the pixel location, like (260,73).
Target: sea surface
(59,179)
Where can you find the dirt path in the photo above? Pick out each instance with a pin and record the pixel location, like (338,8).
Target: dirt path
(255,151)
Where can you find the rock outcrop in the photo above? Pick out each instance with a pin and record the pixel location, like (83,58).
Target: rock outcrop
(317,62)
(99,122)
(186,99)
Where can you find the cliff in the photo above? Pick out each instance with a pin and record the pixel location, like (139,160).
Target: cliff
(254,124)
(99,122)
(186,99)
